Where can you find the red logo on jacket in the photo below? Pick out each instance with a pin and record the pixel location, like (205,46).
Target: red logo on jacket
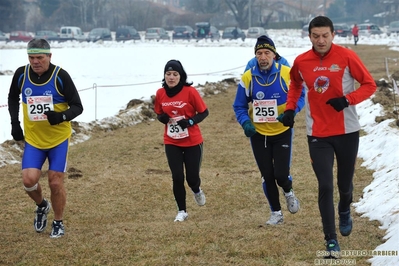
(321,84)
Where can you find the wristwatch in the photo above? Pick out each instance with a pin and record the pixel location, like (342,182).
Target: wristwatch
(191,122)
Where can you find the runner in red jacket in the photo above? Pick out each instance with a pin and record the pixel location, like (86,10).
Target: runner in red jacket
(180,107)
(329,73)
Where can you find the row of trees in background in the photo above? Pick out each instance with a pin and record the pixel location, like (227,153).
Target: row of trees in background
(381,12)
(35,15)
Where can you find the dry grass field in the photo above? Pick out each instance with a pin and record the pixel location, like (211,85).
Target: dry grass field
(120,207)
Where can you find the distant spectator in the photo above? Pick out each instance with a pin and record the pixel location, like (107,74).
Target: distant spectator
(235,33)
(355,32)
(201,32)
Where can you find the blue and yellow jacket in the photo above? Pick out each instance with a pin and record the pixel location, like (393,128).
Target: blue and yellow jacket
(264,85)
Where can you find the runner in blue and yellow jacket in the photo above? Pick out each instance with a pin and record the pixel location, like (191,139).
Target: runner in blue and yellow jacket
(265,86)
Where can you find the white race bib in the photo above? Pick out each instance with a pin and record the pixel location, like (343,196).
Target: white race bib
(265,111)
(174,130)
(37,105)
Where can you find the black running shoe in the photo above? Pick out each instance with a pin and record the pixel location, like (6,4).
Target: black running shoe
(345,223)
(332,247)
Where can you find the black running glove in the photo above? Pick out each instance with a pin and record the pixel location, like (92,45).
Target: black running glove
(55,118)
(288,118)
(163,118)
(16,131)
(338,103)
(185,123)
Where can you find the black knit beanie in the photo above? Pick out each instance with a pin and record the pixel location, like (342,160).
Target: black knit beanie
(265,42)
(175,65)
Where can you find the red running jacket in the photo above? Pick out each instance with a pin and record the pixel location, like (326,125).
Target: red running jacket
(330,76)
(355,31)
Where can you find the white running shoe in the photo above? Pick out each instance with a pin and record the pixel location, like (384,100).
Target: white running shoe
(276,218)
(181,216)
(58,230)
(40,221)
(200,198)
(292,201)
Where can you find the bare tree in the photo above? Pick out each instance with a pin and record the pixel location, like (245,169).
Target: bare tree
(12,15)
(124,12)
(205,7)
(239,8)
(83,7)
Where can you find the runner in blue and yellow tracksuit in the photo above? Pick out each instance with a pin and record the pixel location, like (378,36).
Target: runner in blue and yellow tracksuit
(265,86)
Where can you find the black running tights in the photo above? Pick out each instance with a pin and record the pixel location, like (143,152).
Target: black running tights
(322,151)
(189,158)
(273,157)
